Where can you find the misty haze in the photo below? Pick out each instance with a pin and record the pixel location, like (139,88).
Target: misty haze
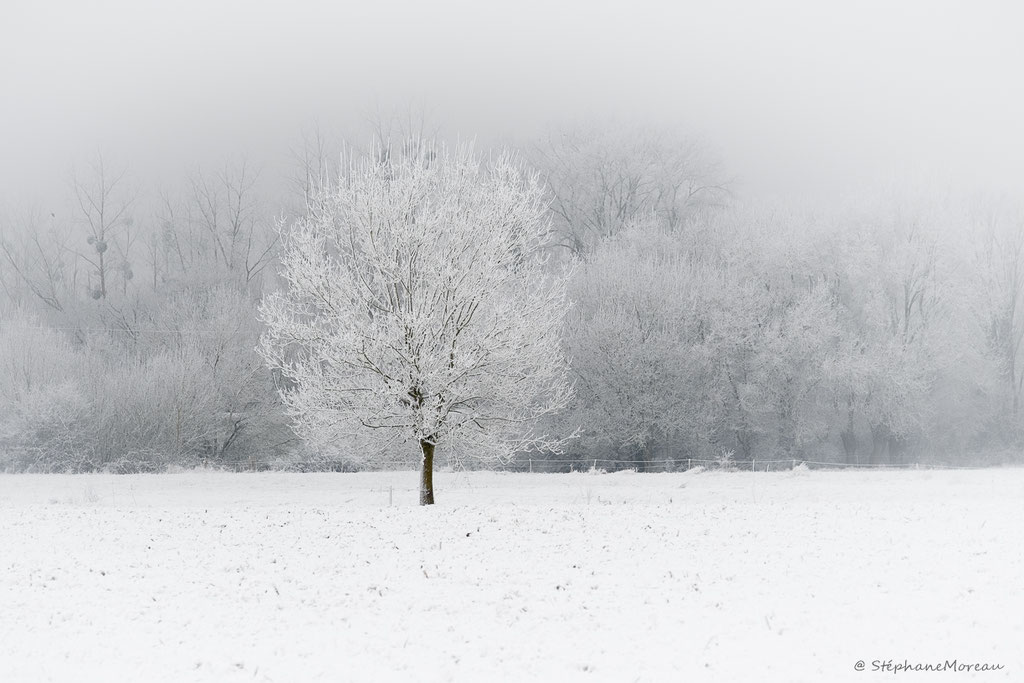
(571,341)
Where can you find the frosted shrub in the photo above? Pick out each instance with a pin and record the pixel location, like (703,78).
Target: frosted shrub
(42,431)
(153,412)
(725,461)
(801,470)
(42,406)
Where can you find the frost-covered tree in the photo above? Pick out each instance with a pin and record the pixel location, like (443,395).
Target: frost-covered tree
(635,338)
(998,270)
(419,307)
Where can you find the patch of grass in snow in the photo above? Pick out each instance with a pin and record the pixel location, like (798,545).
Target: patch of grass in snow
(88,496)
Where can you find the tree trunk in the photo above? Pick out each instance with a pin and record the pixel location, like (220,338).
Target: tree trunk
(103,277)
(427,473)
(849,439)
(879,445)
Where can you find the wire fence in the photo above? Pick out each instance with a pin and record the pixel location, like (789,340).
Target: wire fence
(752,465)
(563,465)
(165,331)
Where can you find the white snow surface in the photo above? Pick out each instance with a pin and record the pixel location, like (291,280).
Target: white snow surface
(709,576)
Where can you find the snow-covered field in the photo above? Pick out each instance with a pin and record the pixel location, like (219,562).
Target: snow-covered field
(790,576)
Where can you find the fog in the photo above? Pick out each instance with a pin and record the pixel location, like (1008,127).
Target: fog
(797,234)
(772,252)
(800,99)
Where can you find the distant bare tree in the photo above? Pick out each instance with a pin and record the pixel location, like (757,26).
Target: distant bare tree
(37,259)
(104,201)
(407,131)
(602,179)
(315,162)
(225,208)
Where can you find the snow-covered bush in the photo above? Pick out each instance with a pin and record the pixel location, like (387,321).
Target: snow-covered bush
(42,406)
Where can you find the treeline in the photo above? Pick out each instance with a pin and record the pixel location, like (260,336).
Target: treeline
(128,332)
(883,330)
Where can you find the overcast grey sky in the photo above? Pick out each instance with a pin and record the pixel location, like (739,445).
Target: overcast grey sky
(799,96)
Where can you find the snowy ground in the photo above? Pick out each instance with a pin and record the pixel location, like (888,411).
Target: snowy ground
(791,576)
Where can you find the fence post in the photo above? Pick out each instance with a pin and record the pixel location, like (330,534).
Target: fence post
(753,466)
(687,463)
(531,465)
